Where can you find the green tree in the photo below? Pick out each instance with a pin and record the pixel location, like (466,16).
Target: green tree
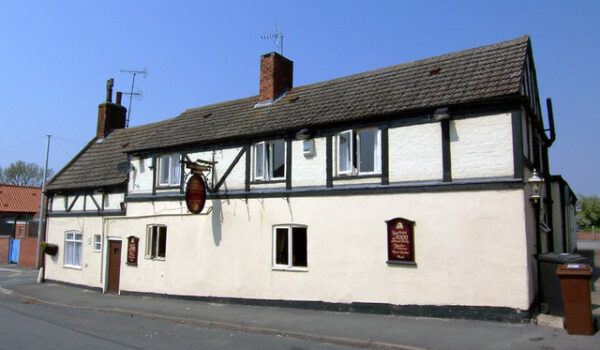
(24,174)
(588,211)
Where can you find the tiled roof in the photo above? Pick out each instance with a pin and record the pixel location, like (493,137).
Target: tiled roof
(470,76)
(19,199)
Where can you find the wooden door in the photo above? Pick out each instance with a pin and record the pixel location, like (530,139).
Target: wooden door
(114,266)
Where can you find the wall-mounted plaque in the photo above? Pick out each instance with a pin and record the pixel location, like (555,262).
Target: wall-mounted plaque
(401,242)
(132,250)
(195,194)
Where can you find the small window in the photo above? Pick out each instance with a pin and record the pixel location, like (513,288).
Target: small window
(289,247)
(156,242)
(21,230)
(345,147)
(269,160)
(358,152)
(97,243)
(73,242)
(169,170)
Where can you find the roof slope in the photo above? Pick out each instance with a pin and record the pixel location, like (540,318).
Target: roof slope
(19,199)
(479,74)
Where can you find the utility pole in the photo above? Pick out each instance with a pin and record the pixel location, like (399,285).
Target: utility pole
(42,211)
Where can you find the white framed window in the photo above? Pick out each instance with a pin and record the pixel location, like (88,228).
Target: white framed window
(358,152)
(73,244)
(97,243)
(169,170)
(156,242)
(290,247)
(269,160)
(345,145)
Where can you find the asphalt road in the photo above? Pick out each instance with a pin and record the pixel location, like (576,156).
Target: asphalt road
(16,275)
(27,324)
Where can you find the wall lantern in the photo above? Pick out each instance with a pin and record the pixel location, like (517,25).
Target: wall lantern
(441,114)
(535,182)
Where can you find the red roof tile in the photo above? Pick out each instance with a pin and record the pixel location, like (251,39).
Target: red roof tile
(19,199)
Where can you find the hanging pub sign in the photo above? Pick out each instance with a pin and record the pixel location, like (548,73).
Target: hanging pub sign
(195,194)
(401,242)
(132,250)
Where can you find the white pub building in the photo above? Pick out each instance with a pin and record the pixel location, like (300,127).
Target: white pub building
(411,189)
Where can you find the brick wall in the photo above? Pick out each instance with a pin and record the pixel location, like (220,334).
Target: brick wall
(588,235)
(27,251)
(276,75)
(4,247)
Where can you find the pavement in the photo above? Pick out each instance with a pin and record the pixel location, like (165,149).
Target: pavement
(340,328)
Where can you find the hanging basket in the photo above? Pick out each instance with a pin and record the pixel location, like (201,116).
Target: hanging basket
(49,248)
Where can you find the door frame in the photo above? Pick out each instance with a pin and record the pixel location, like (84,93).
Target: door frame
(105,263)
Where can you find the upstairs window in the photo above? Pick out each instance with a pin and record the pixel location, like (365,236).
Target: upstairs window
(358,152)
(156,242)
(269,160)
(169,170)
(289,247)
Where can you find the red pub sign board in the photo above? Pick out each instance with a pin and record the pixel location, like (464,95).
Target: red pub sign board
(132,250)
(401,241)
(195,194)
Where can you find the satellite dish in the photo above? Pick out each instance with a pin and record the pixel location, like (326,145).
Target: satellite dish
(125,167)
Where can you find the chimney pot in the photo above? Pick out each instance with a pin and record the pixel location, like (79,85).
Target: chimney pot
(119,95)
(109,85)
(276,76)
(111,116)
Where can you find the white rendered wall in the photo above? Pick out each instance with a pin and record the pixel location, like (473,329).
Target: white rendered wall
(76,202)
(415,153)
(112,201)
(224,158)
(58,203)
(91,261)
(468,252)
(309,170)
(140,179)
(482,147)
(90,205)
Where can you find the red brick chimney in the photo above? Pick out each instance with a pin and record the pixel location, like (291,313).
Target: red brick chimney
(111,116)
(276,76)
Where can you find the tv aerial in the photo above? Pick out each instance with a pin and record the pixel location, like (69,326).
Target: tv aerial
(277,38)
(137,93)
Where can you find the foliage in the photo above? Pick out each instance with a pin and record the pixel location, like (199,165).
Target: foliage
(588,211)
(23,174)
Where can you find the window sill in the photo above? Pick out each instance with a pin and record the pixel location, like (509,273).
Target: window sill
(261,182)
(167,187)
(358,176)
(287,268)
(405,263)
(155,259)
(73,267)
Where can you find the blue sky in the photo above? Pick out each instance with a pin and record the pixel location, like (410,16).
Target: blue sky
(56,58)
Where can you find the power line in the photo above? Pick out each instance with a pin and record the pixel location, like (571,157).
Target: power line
(78,142)
(22,143)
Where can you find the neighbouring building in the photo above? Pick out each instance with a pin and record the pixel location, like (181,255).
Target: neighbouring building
(403,189)
(19,212)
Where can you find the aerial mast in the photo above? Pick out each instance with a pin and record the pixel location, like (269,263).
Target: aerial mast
(131,93)
(278,39)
